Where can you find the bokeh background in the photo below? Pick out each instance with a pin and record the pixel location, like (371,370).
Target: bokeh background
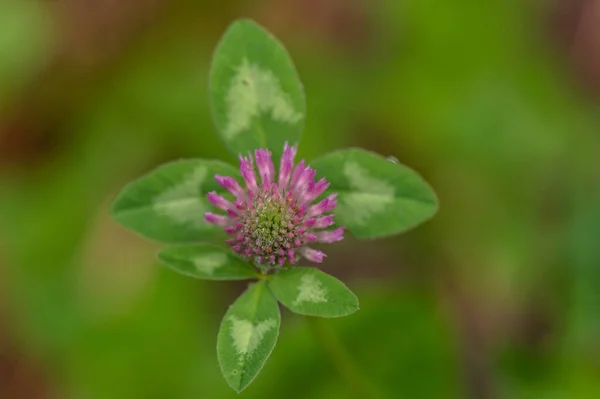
(494,102)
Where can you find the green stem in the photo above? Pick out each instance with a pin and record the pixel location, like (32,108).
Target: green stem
(354,379)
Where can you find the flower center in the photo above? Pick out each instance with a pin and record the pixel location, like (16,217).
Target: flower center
(270,227)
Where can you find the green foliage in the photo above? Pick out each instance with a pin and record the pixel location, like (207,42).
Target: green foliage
(168,203)
(309,291)
(377,197)
(257,101)
(206,261)
(256,96)
(477,99)
(248,335)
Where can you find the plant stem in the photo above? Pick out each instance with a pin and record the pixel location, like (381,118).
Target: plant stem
(354,379)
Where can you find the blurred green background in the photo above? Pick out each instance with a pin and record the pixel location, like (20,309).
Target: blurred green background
(494,102)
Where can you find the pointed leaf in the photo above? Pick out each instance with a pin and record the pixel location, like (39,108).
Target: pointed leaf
(309,291)
(257,99)
(377,197)
(206,261)
(248,335)
(168,204)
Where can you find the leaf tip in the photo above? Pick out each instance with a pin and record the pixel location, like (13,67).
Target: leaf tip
(244,23)
(237,389)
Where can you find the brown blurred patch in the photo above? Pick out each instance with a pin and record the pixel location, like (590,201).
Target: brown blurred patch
(91,36)
(345,23)
(575,27)
(469,316)
(20,376)
(94,32)
(26,140)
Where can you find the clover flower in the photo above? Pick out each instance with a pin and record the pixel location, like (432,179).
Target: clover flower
(274,221)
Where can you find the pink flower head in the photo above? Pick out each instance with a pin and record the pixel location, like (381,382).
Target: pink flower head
(274,218)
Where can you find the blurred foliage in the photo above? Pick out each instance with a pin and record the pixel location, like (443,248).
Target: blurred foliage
(497,296)
(24,39)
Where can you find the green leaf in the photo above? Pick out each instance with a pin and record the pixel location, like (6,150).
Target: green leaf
(257,99)
(377,197)
(309,291)
(206,261)
(168,204)
(248,335)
